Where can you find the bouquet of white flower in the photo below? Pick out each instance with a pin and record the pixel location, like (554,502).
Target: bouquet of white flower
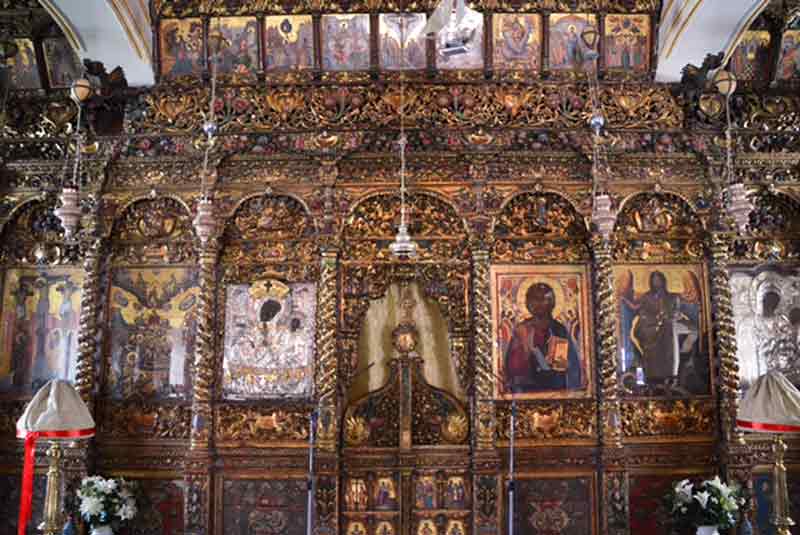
(710,503)
(106,502)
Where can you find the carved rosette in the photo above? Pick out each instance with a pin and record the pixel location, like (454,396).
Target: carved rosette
(484,419)
(611,433)
(327,363)
(204,351)
(725,335)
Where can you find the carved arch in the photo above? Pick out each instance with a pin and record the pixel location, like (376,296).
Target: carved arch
(153,231)
(658,226)
(540,226)
(270,234)
(33,234)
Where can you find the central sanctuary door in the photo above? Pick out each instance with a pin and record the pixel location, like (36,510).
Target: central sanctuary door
(405,452)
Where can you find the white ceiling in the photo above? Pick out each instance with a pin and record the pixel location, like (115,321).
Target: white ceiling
(114,32)
(690,29)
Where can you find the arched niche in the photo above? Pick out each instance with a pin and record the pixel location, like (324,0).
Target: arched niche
(773,232)
(539,227)
(268,302)
(441,271)
(658,226)
(151,313)
(660,271)
(376,349)
(41,292)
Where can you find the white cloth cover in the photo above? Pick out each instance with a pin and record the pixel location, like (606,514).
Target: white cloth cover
(771,405)
(57,406)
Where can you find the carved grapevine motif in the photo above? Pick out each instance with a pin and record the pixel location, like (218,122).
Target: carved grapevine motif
(35,236)
(666,417)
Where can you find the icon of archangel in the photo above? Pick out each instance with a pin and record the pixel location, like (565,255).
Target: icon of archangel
(269,340)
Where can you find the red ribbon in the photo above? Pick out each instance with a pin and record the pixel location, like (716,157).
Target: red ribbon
(27,470)
(769,428)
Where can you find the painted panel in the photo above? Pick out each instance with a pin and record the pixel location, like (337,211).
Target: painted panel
(517,41)
(160,504)
(564,506)
(567,51)
(264,506)
(23,66)
(345,42)
(288,43)
(181,47)
(763,501)
(789,64)
(405,28)
(461,47)
(153,328)
(766,310)
(39,337)
(662,329)
(542,331)
(237,39)
(750,60)
(63,65)
(648,510)
(270,333)
(627,40)
(10,485)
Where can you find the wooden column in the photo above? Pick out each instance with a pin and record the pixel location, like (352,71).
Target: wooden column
(486,481)
(198,463)
(614,496)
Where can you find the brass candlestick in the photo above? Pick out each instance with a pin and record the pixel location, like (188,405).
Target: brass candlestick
(53,521)
(780,519)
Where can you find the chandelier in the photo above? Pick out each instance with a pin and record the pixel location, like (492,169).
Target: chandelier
(69,211)
(403,247)
(739,206)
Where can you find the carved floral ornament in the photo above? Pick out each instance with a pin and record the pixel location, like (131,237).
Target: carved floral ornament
(488,105)
(658,226)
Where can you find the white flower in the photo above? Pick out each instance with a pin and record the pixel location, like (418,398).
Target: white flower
(127,511)
(91,506)
(683,491)
(702,498)
(107,487)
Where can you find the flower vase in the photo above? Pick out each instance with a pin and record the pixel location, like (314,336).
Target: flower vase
(104,529)
(707,530)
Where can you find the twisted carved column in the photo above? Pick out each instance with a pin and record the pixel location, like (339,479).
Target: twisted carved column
(606,308)
(725,337)
(197,471)
(614,497)
(327,364)
(87,329)
(485,423)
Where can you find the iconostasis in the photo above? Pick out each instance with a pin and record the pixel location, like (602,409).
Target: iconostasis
(624,356)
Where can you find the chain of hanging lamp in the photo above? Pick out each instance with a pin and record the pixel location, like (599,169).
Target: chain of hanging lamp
(403,247)
(205,223)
